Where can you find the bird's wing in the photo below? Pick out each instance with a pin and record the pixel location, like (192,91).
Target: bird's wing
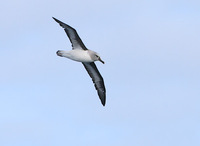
(97,80)
(73,36)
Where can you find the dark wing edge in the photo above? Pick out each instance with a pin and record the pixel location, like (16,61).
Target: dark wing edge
(72,35)
(97,80)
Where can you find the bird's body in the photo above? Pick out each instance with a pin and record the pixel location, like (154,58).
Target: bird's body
(81,54)
(77,55)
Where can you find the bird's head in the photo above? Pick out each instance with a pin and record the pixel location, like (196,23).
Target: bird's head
(98,58)
(95,56)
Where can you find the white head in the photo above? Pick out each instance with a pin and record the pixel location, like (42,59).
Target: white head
(95,56)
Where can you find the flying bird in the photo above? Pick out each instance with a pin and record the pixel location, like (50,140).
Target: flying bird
(80,53)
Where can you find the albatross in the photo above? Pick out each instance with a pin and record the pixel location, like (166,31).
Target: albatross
(80,53)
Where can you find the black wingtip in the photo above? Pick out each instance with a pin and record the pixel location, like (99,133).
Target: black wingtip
(56,19)
(103,99)
(60,23)
(103,102)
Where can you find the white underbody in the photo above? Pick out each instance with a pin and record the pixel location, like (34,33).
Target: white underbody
(77,55)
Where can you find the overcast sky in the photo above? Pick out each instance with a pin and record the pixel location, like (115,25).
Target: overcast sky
(151,51)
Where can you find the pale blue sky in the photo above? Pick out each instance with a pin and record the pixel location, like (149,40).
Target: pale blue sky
(152,73)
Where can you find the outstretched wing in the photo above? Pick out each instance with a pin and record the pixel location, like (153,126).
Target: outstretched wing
(97,80)
(73,35)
